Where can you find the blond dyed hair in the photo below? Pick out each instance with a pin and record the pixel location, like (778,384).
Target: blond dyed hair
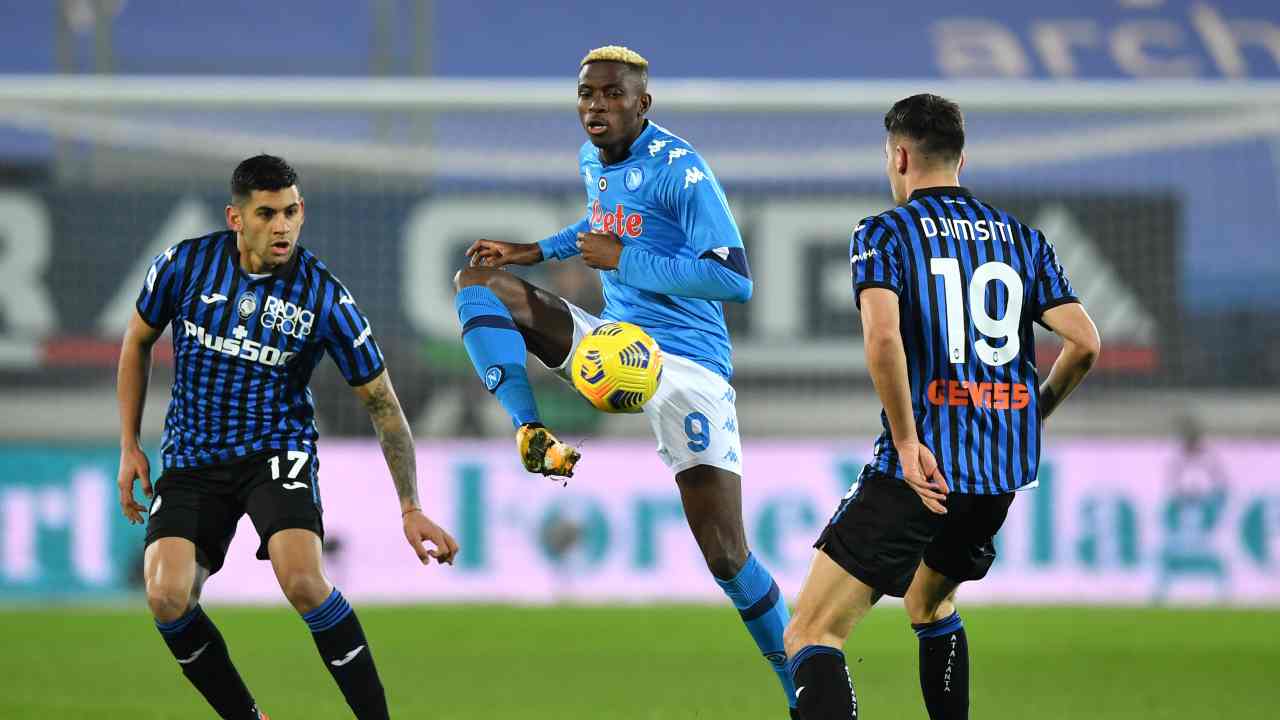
(619,54)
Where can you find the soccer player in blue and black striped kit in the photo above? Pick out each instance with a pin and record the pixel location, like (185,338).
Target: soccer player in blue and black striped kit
(252,314)
(948,287)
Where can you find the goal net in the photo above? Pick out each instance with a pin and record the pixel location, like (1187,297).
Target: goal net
(1162,199)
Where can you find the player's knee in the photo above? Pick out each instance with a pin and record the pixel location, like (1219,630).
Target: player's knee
(168,601)
(801,632)
(464,278)
(305,591)
(470,276)
(925,610)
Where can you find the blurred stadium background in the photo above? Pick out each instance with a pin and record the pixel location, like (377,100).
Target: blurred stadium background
(1143,136)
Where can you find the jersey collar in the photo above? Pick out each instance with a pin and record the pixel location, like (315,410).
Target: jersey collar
(285,271)
(633,152)
(942,191)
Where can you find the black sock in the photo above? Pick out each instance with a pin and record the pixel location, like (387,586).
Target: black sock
(345,652)
(944,668)
(202,654)
(824,688)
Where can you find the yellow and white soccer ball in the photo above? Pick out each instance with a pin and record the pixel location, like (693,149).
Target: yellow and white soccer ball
(617,367)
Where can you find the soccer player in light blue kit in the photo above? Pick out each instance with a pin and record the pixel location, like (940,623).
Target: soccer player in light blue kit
(659,230)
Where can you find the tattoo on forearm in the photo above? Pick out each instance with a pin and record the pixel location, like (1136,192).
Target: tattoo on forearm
(1048,401)
(396,440)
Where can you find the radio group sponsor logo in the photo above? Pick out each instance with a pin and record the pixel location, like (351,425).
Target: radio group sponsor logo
(238,347)
(285,317)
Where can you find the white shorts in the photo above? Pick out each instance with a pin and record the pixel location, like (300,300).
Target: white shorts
(692,414)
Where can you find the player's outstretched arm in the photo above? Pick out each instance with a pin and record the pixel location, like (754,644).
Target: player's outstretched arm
(887,362)
(379,398)
(132,375)
(1080,348)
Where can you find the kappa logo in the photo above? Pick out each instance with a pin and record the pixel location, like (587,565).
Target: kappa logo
(677,154)
(656,146)
(586,173)
(693,176)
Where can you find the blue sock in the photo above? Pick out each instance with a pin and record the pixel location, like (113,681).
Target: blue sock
(763,611)
(497,351)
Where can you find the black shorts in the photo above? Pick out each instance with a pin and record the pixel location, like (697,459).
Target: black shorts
(882,531)
(277,488)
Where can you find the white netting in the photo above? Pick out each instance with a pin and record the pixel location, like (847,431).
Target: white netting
(1162,200)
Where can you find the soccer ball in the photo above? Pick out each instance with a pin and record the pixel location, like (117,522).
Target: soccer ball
(617,367)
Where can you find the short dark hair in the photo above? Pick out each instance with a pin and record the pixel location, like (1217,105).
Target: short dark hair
(261,172)
(933,122)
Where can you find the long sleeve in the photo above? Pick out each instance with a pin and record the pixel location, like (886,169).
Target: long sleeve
(564,244)
(710,277)
(719,271)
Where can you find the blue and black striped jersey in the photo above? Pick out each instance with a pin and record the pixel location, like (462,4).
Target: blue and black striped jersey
(244,348)
(970,281)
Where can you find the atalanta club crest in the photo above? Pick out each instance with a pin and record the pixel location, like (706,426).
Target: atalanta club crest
(633,178)
(247,305)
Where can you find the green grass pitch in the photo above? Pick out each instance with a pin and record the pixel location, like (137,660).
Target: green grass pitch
(643,663)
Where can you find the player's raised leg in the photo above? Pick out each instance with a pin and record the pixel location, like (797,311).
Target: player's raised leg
(712,499)
(831,603)
(296,558)
(173,580)
(944,647)
(503,318)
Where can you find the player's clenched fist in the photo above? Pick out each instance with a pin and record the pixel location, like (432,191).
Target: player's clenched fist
(418,528)
(133,464)
(496,253)
(600,250)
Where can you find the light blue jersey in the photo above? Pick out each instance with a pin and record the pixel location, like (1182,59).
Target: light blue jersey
(682,253)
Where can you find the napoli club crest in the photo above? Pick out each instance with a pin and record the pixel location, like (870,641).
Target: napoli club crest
(493,377)
(633,178)
(247,304)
